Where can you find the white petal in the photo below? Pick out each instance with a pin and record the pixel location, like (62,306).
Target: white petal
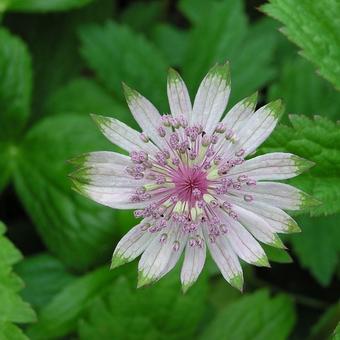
(145,114)
(132,245)
(225,258)
(155,260)
(122,135)
(243,243)
(279,221)
(258,227)
(212,98)
(193,261)
(179,100)
(272,166)
(279,195)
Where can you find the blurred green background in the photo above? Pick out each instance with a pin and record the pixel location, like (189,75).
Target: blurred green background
(63,59)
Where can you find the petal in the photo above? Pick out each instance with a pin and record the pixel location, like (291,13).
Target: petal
(145,114)
(272,166)
(113,197)
(279,195)
(212,98)
(193,261)
(225,258)
(243,243)
(132,245)
(157,255)
(257,129)
(258,227)
(278,220)
(178,95)
(122,135)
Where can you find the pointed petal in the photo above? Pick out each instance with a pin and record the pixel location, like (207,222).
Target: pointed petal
(279,221)
(272,166)
(193,261)
(157,255)
(212,98)
(122,135)
(178,95)
(132,244)
(243,243)
(145,114)
(225,258)
(279,195)
(258,227)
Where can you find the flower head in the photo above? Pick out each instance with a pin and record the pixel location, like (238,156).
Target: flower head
(191,182)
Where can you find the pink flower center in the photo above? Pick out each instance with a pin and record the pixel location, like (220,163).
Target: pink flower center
(190,184)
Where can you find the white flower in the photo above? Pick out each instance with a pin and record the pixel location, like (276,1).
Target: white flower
(190,180)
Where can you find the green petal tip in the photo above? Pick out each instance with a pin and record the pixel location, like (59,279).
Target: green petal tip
(276,108)
(302,164)
(117,261)
(143,280)
(308,201)
(263,262)
(292,227)
(237,282)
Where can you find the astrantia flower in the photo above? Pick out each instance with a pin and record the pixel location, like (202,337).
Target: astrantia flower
(190,181)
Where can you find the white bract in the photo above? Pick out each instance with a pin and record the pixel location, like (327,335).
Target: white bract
(191,181)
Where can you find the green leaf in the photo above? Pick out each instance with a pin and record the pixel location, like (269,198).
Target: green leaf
(256,316)
(166,37)
(327,323)
(321,234)
(276,254)
(12,308)
(194,10)
(336,333)
(220,35)
(15,85)
(318,97)
(59,317)
(117,54)
(43,5)
(317,140)
(77,230)
(44,276)
(85,96)
(158,312)
(312,25)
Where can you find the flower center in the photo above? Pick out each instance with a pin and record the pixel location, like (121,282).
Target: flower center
(190,184)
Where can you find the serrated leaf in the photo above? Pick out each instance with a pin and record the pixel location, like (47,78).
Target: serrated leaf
(117,54)
(316,140)
(85,96)
(318,246)
(44,276)
(15,84)
(314,27)
(158,312)
(43,5)
(256,316)
(220,36)
(78,231)
(12,307)
(318,98)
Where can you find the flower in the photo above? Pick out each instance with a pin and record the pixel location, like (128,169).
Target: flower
(190,181)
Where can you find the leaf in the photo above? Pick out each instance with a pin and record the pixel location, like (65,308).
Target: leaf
(59,316)
(317,140)
(15,84)
(158,312)
(219,36)
(318,97)
(12,308)
(85,96)
(326,324)
(276,254)
(5,168)
(166,37)
(43,5)
(44,276)
(312,25)
(321,234)
(194,10)
(256,316)
(117,54)
(77,230)
(336,333)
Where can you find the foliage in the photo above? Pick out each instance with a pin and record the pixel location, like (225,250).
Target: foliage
(63,59)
